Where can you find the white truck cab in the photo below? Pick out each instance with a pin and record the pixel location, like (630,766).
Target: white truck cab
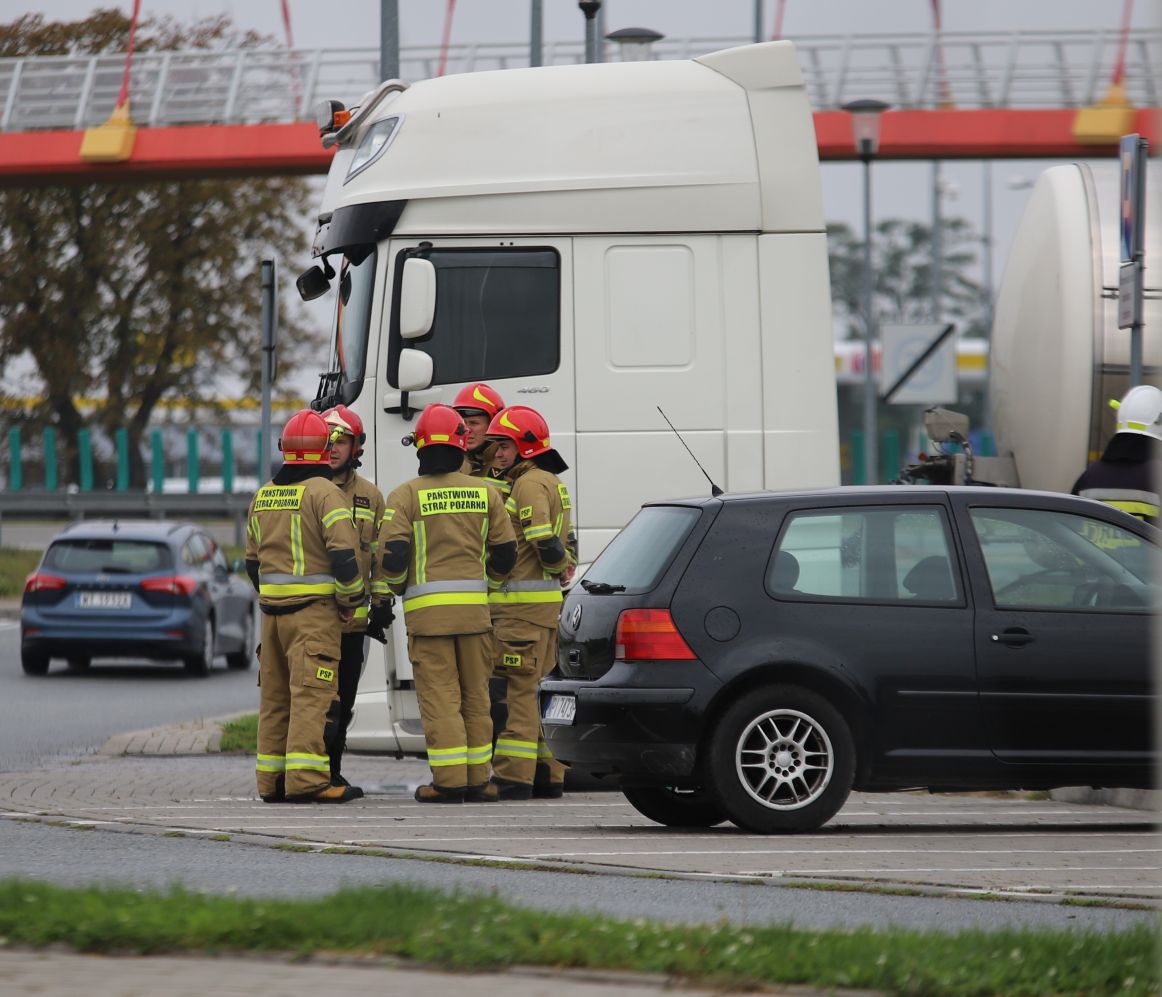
(598,241)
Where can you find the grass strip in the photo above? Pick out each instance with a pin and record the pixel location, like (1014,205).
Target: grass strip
(240,734)
(464,931)
(15,567)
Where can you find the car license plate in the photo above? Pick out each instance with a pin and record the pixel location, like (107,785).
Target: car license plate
(561,709)
(104,600)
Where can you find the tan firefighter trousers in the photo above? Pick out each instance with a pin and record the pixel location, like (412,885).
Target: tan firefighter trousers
(299,690)
(451,676)
(525,653)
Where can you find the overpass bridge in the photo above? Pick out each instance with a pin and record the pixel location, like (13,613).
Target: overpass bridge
(968,95)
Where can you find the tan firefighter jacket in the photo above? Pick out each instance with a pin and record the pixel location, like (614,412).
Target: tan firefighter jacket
(541,512)
(366,503)
(451,525)
(303,540)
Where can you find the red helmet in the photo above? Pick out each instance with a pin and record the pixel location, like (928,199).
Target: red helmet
(478,399)
(341,417)
(441,425)
(305,439)
(525,427)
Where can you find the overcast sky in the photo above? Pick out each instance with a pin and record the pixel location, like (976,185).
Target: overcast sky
(901,189)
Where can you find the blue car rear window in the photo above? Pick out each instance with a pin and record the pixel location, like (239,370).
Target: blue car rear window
(135,557)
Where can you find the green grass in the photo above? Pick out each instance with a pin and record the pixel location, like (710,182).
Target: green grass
(15,566)
(241,734)
(417,924)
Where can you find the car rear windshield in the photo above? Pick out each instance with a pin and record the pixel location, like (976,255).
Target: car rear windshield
(639,554)
(134,557)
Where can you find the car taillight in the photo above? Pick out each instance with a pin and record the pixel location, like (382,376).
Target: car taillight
(40,582)
(649,635)
(173,584)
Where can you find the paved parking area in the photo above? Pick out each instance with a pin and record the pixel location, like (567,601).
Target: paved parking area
(1006,845)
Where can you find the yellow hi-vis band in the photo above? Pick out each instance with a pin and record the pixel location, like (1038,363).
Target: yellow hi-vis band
(349,588)
(509,748)
(543,752)
(298,761)
(1138,509)
(445,599)
(299,566)
(479,755)
(507,598)
(271,763)
(335,516)
(439,757)
(361,613)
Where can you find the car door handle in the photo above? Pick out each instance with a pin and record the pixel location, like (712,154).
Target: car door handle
(1014,637)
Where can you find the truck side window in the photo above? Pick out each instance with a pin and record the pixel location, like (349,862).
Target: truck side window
(498,314)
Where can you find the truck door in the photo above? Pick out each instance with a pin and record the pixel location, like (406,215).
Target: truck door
(504,315)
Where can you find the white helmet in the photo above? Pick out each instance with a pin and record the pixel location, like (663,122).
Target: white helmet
(1140,411)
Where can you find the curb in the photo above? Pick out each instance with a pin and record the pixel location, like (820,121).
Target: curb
(1128,799)
(194,737)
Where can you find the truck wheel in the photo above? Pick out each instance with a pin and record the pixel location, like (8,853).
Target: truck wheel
(781,760)
(674,807)
(33,662)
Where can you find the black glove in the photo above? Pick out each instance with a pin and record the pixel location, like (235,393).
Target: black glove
(379,620)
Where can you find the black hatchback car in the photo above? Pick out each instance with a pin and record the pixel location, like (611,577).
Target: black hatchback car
(754,658)
(154,589)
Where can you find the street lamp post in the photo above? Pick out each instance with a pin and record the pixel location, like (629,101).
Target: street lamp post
(865,127)
(634,44)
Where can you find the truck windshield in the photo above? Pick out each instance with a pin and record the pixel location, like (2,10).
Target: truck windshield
(353,314)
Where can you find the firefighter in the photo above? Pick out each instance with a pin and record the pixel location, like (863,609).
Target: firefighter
(526,608)
(300,556)
(446,538)
(478,404)
(366,505)
(1126,476)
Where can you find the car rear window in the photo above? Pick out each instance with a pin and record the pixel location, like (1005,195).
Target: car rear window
(640,553)
(136,557)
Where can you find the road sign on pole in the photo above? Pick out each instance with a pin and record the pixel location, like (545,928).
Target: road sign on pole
(919,364)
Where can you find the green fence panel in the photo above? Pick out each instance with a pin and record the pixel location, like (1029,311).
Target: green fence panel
(192,469)
(157,461)
(15,461)
(85,459)
(890,455)
(227,461)
(857,475)
(122,437)
(51,478)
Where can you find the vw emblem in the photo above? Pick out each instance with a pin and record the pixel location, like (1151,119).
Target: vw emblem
(575,619)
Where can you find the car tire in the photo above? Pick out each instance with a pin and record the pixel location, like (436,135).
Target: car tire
(34,662)
(675,807)
(242,659)
(781,760)
(203,661)
(79,662)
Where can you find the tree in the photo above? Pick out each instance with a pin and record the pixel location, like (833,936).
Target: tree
(903,272)
(136,292)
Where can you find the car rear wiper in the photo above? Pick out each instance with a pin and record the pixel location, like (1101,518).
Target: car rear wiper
(600,588)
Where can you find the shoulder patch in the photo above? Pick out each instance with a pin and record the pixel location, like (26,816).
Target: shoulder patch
(526,512)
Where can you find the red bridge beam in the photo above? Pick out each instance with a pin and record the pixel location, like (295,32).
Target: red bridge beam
(34,158)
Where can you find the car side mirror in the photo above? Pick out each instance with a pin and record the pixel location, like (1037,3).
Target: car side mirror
(417,302)
(415,370)
(312,283)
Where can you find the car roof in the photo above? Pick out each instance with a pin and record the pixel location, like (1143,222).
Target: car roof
(125,529)
(856,493)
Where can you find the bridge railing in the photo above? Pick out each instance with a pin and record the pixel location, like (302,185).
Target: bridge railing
(246,86)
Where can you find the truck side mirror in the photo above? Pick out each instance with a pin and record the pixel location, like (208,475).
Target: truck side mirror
(312,283)
(415,370)
(417,303)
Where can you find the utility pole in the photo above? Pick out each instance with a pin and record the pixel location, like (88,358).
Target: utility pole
(269,345)
(590,9)
(388,40)
(536,33)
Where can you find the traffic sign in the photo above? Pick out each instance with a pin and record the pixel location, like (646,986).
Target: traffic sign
(933,381)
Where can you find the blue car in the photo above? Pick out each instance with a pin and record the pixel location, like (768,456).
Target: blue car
(153,589)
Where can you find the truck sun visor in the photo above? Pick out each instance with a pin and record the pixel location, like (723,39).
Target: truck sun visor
(357,228)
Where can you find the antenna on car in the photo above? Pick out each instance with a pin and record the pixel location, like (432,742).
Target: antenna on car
(714,489)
